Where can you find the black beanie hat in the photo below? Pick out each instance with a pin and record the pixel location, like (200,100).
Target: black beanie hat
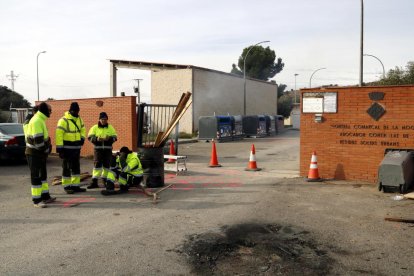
(125,150)
(74,107)
(103,115)
(44,108)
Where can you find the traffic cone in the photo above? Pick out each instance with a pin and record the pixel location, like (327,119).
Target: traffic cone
(313,175)
(214,161)
(252,166)
(172,152)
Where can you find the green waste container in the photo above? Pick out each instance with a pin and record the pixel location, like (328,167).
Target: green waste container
(396,171)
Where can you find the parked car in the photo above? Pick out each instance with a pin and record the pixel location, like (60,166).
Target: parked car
(12,142)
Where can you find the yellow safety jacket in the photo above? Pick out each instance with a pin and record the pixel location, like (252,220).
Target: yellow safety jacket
(37,135)
(131,165)
(102,132)
(70,132)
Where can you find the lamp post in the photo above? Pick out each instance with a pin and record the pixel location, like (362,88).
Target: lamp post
(310,79)
(37,72)
(244,74)
(361,58)
(383,69)
(295,88)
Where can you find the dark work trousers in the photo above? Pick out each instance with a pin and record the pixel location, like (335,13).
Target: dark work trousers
(38,175)
(102,159)
(71,164)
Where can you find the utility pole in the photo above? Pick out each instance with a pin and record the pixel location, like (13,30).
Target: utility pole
(12,77)
(295,88)
(137,91)
(361,54)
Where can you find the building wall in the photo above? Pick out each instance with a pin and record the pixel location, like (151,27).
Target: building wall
(350,144)
(121,112)
(295,117)
(222,94)
(168,86)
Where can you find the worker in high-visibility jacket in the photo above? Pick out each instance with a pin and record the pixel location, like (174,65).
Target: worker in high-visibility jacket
(70,137)
(37,149)
(127,168)
(102,136)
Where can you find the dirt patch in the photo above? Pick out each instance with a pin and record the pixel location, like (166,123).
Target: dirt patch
(254,249)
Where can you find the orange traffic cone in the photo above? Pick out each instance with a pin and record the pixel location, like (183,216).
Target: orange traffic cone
(214,161)
(252,166)
(172,152)
(313,175)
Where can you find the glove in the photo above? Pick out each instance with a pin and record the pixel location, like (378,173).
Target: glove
(82,141)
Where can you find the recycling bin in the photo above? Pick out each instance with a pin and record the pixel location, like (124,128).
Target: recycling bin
(215,127)
(279,124)
(261,131)
(396,171)
(270,125)
(237,127)
(254,126)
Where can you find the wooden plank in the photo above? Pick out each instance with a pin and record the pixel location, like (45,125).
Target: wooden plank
(158,139)
(177,114)
(167,132)
(409,195)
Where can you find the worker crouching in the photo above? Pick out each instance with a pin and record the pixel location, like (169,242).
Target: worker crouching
(127,168)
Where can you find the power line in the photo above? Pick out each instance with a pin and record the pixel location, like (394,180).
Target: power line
(12,77)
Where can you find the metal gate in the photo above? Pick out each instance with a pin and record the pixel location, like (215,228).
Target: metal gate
(152,119)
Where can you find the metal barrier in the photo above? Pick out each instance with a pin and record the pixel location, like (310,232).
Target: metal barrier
(152,119)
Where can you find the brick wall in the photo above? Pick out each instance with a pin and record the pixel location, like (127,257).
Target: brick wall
(350,144)
(121,112)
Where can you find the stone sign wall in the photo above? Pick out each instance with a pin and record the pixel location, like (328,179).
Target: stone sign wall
(351,141)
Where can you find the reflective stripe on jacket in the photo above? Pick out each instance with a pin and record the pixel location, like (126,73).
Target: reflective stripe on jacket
(102,132)
(70,132)
(37,135)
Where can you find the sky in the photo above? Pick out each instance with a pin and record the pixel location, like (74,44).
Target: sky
(80,37)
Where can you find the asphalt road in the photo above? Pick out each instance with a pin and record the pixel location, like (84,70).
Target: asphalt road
(86,234)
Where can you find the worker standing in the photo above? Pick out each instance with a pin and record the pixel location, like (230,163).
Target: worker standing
(102,136)
(127,168)
(37,149)
(70,137)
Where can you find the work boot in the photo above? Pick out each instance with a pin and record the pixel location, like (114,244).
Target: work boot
(123,189)
(49,200)
(94,184)
(69,190)
(109,192)
(78,189)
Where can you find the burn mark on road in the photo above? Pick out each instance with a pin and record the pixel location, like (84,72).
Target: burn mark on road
(256,249)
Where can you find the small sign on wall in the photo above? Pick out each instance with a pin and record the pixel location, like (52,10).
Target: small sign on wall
(320,102)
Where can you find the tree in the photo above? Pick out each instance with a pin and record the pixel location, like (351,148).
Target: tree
(397,76)
(281,89)
(284,105)
(260,63)
(11,98)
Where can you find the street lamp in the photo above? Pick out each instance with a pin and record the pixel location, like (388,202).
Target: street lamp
(37,72)
(383,69)
(295,87)
(244,73)
(310,79)
(361,58)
